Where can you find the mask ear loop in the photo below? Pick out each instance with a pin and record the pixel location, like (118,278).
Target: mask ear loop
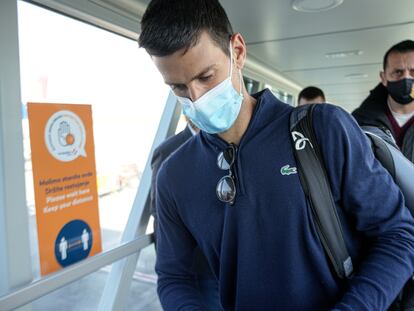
(231,60)
(240,79)
(231,70)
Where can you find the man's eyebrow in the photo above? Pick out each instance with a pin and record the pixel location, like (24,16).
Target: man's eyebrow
(202,72)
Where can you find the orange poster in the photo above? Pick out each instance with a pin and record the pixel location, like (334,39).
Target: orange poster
(64,176)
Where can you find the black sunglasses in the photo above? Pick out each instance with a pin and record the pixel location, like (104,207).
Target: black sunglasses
(226,186)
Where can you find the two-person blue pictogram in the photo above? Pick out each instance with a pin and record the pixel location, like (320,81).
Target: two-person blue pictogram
(73,243)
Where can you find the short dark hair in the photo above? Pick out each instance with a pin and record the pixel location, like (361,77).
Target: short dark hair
(311,92)
(168,26)
(402,47)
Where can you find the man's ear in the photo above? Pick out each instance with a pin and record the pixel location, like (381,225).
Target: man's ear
(383,78)
(239,50)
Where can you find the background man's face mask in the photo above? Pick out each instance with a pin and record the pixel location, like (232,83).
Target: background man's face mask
(217,110)
(401,91)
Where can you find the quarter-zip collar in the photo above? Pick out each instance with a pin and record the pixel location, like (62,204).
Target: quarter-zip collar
(266,102)
(267,106)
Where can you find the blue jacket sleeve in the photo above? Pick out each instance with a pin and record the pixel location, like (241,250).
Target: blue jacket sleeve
(175,247)
(373,204)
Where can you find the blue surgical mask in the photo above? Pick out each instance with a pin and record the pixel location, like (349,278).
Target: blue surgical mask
(217,110)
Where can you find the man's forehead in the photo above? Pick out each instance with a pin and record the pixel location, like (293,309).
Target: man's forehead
(179,66)
(397,59)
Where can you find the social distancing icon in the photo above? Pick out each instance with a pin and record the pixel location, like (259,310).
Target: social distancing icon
(73,242)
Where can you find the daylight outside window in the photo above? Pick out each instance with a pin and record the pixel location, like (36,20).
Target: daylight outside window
(66,61)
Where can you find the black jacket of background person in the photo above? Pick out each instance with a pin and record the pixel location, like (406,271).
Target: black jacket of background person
(161,153)
(373,112)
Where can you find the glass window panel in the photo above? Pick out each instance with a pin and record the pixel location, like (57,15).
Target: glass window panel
(66,61)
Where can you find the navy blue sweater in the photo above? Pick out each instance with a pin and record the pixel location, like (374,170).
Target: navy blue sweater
(264,250)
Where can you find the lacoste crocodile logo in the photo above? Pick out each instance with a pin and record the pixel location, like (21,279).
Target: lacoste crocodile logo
(287,170)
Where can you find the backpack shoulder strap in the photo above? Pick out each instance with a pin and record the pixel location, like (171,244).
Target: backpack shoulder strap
(317,189)
(379,141)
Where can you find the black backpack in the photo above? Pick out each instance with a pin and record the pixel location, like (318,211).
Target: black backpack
(317,189)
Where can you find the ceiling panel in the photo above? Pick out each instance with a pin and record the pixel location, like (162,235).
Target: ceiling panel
(303,60)
(309,52)
(295,43)
(340,75)
(275,19)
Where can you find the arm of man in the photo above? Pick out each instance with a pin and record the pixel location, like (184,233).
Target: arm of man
(372,201)
(175,247)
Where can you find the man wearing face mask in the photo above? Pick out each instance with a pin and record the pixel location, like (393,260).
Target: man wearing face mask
(390,105)
(233,190)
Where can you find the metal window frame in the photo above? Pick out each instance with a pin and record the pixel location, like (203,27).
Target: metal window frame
(112,15)
(15,259)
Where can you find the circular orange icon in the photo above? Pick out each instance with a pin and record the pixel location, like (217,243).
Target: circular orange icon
(70,139)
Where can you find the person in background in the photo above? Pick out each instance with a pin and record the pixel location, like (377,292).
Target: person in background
(206,283)
(390,105)
(225,190)
(163,151)
(311,95)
